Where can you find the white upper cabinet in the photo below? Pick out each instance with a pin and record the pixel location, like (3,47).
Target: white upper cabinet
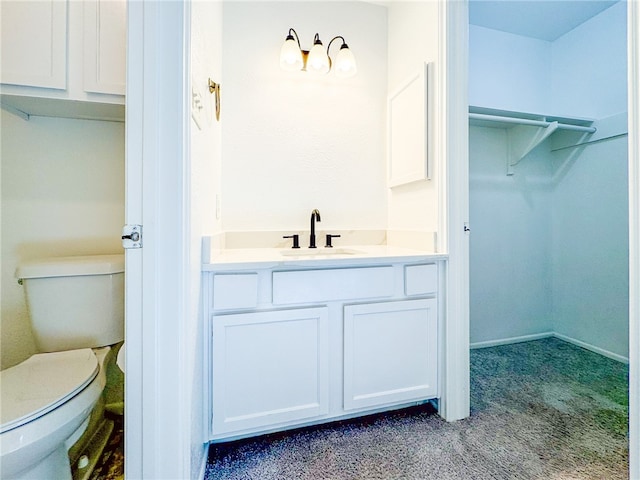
(64,58)
(34,43)
(105,39)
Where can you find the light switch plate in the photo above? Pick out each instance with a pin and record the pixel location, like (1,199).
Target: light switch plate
(197,104)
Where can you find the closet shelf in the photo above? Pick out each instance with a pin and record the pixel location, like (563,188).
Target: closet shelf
(533,123)
(525,131)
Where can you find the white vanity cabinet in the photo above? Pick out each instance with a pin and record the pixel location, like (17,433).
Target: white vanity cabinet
(64,58)
(269,368)
(291,345)
(390,353)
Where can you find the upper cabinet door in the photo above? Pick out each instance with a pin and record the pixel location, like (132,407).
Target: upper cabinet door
(105,38)
(34,43)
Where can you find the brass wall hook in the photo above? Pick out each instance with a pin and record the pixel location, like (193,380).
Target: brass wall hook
(214,88)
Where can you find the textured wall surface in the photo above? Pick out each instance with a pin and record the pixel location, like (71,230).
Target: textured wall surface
(62,194)
(413,40)
(291,142)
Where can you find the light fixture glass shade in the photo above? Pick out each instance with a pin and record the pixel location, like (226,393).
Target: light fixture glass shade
(345,64)
(318,61)
(291,56)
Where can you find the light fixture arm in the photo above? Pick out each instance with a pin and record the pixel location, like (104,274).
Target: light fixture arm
(344,43)
(291,30)
(344,64)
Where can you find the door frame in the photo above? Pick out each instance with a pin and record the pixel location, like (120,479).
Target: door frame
(633,88)
(158,413)
(454,214)
(133,258)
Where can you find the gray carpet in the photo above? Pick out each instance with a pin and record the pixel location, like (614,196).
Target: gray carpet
(540,410)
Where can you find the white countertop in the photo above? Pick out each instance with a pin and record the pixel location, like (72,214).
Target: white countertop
(244,258)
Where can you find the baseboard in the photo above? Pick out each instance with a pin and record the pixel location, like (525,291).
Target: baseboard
(593,348)
(507,341)
(538,336)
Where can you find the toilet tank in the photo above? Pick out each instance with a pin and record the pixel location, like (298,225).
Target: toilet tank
(75,302)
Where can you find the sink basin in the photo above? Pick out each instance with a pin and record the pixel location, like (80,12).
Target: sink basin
(318,252)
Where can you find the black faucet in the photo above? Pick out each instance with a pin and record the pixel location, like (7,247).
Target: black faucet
(315,216)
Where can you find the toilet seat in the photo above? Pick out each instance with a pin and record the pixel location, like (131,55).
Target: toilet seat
(42,383)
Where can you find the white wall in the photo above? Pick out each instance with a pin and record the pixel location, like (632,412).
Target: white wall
(590,213)
(525,74)
(205,184)
(580,242)
(292,143)
(510,264)
(62,194)
(413,39)
(590,249)
(588,68)
(508,71)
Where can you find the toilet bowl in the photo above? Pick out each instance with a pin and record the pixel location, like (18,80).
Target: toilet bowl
(46,401)
(76,312)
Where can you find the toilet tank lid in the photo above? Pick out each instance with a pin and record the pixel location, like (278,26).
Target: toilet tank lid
(71,266)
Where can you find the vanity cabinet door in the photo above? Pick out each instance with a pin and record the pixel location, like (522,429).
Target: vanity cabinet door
(390,353)
(269,368)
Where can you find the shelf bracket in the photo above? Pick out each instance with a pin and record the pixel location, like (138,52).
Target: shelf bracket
(522,139)
(15,111)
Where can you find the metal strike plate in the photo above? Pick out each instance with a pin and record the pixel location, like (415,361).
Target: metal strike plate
(132,236)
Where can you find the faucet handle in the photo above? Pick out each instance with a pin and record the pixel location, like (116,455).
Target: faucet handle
(296,240)
(328,242)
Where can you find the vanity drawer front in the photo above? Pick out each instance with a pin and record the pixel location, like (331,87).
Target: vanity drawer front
(235,291)
(308,286)
(420,279)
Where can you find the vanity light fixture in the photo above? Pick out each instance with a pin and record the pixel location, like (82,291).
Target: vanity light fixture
(316,60)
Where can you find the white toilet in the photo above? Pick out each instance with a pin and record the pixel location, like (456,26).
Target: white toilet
(76,305)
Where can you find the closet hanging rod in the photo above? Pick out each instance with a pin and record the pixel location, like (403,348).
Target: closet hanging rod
(526,121)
